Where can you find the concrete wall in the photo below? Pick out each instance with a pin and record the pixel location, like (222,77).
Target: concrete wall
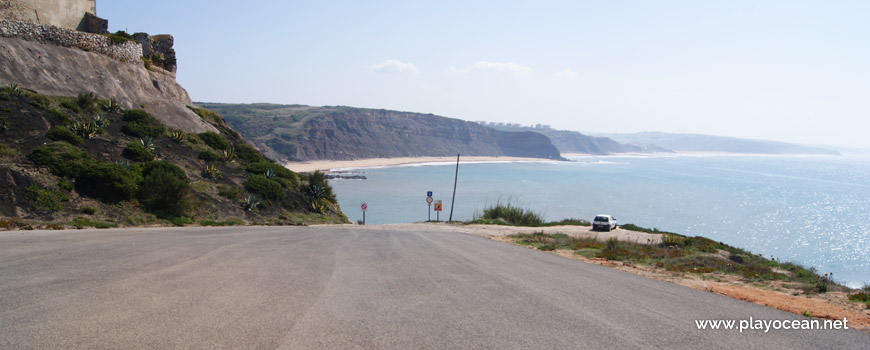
(67,14)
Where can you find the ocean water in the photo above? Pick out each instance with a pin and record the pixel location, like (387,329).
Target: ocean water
(811,210)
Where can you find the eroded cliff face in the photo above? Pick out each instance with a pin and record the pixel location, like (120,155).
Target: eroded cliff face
(61,71)
(342,133)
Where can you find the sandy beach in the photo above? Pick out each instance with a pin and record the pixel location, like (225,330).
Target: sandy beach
(326,165)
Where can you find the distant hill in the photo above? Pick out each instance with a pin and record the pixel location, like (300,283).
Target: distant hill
(708,143)
(302,133)
(575,142)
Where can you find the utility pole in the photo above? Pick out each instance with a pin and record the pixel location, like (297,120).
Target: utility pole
(455,180)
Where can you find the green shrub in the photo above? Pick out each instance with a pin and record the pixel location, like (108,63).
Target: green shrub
(140,123)
(227,222)
(861,297)
(318,179)
(246,152)
(61,158)
(137,152)
(6,151)
(71,105)
(86,101)
(181,221)
(149,167)
(106,181)
(289,184)
(269,189)
(512,215)
(39,101)
(119,37)
(147,62)
(47,199)
(62,133)
(60,116)
(208,156)
(230,192)
(214,140)
(165,190)
(66,185)
(263,167)
(89,210)
(82,222)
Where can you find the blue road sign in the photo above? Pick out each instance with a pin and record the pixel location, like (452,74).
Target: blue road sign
(429,194)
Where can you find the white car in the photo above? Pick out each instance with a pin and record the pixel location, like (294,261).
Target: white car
(604,222)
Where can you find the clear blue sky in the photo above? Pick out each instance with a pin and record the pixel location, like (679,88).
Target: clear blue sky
(795,71)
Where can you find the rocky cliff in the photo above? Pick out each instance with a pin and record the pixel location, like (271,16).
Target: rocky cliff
(62,71)
(301,133)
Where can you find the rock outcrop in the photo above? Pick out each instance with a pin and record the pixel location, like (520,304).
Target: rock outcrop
(62,71)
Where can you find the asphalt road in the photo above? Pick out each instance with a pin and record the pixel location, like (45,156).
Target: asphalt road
(345,288)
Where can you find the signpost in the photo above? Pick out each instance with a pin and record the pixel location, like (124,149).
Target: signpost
(364,207)
(438,210)
(429,203)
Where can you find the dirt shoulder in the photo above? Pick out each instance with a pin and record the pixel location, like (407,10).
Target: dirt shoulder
(780,295)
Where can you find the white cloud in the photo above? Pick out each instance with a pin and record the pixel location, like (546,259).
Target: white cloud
(394,66)
(510,67)
(567,73)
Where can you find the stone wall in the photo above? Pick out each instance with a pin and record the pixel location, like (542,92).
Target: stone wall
(130,51)
(69,14)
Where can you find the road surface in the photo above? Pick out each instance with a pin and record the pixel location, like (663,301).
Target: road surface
(346,288)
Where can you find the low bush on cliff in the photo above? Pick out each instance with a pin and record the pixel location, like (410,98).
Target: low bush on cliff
(165,190)
(7,152)
(260,185)
(208,156)
(214,140)
(248,153)
(263,167)
(119,37)
(47,199)
(63,159)
(140,123)
(62,133)
(137,152)
(106,181)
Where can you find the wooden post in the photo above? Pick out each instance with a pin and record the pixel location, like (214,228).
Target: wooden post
(455,180)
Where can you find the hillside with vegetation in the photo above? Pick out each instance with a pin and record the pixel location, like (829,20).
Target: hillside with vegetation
(302,133)
(84,161)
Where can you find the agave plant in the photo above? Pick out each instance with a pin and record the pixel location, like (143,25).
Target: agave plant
(251,202)
(125,164)
(211,171)
(112,106)
(228,155)
(101,120)
(14,89)
(271,173)
(178,136)
(148,142)
(85,129)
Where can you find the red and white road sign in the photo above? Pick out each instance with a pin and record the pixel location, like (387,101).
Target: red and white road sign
(364,207)
(429,200)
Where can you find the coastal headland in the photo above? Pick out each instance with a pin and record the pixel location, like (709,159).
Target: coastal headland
(327,165)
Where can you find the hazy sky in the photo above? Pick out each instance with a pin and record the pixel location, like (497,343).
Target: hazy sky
(794,71)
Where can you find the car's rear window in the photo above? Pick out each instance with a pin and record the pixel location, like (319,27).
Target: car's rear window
(600,218)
